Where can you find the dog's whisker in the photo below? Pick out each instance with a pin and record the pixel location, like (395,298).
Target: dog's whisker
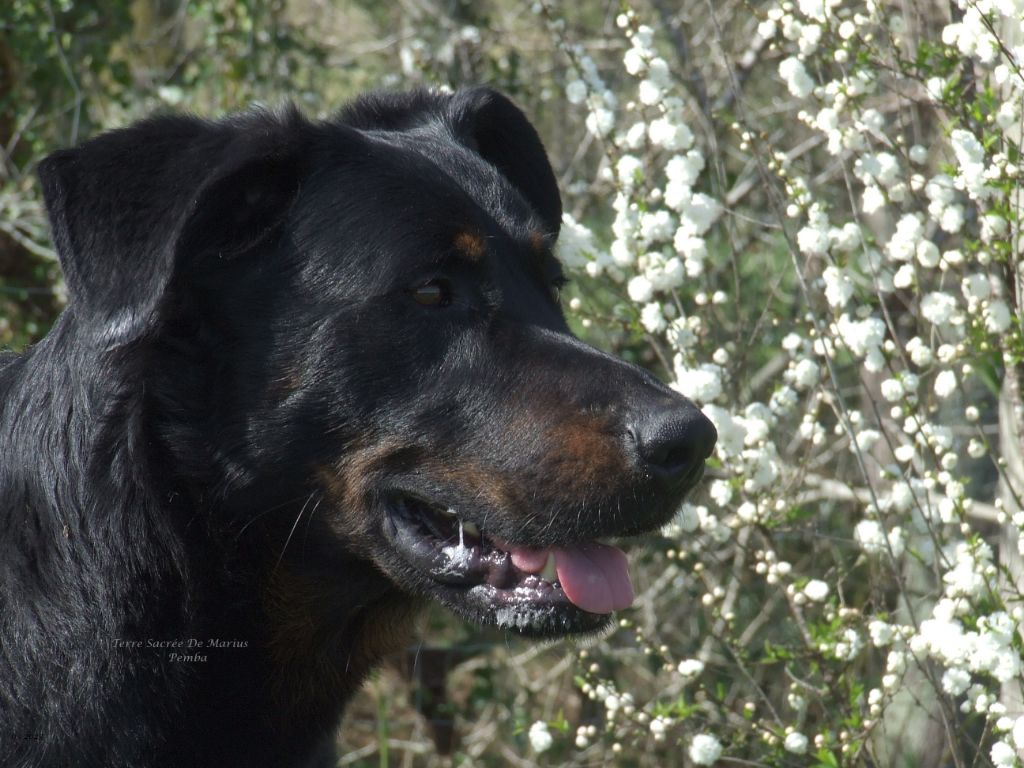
(295,525)
(416,657)
(267,511)
(309,523)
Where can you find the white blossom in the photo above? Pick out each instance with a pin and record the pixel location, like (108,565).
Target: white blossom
(920,353)
(956,680)
(816,590)
(902,245)
(892,390)
(872,199)
(629,169)
(640,289)
(702,384)
(997,316)
(700,212)
(838,287)
(793,72)
(795,742)
(938,307)
(705,749)
(945,383)
(652,318)
(882,633)
(1003,755)
(970,156)
(861,336)
(600,121)
(669,134)
(634,61)
(870,536)
(690,668)
(720,492)
(976,287)
(576,91)
(540,736)
(806,374)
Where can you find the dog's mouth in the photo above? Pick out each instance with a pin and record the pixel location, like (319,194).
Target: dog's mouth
(558,590)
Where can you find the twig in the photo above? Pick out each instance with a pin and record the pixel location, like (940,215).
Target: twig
(678,36)
(68,73)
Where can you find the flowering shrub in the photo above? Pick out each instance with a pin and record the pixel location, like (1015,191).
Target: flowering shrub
(840,291)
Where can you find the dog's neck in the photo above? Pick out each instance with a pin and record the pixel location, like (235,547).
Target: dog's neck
(302,632)
(321,645)
(315,619)
(74,472)
(301,649)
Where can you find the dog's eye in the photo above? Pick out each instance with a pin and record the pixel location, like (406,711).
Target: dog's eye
(436,293)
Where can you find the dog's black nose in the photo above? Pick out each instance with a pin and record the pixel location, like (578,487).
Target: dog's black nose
(672,441)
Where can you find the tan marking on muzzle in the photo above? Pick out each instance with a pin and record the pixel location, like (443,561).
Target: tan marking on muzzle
(583,454)
(476,481)
(348,485)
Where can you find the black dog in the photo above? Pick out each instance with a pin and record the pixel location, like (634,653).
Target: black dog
(310,375)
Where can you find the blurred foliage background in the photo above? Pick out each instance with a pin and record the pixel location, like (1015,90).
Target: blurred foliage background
(69,68)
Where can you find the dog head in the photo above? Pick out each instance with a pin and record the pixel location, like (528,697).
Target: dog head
(354,326)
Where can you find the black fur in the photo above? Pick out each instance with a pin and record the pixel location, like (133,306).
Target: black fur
(212,442)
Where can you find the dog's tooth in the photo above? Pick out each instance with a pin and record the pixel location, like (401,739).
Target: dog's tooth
(471,529)
(549,573)
(450,512)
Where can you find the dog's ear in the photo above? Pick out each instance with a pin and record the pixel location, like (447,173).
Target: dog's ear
(482,119)
(498,130)
(128,206)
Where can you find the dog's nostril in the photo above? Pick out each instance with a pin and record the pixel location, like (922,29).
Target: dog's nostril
(672,455)
(672,442)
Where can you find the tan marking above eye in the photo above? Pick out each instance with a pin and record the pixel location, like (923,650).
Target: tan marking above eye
(470,244)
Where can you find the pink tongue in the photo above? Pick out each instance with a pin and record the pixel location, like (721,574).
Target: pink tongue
(595,577)
(528,560)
